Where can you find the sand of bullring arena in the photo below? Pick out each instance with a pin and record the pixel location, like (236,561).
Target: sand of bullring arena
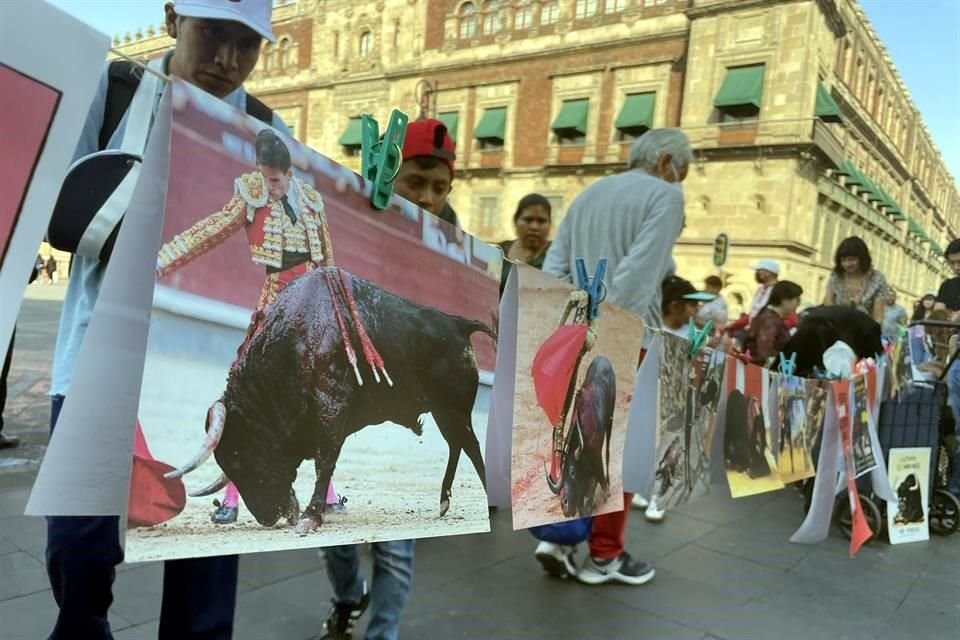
(542,300)
(391,479)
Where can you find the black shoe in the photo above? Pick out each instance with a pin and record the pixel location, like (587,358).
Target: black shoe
(7,442)
(339,624)
(224,515)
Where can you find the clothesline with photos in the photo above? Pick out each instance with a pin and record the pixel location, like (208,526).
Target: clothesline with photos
(271,367)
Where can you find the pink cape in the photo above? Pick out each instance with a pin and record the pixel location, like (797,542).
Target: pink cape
(553,367)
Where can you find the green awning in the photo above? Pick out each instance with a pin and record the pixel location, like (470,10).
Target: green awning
(853,177)
(741,86)
(637,111)
(572,116)
(450,120)
(352,135)
(935,246)
(826,107)
(914,228)
(873,191)
(893,209)
(493,124)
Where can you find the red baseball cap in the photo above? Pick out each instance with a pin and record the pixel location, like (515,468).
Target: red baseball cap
(429,138)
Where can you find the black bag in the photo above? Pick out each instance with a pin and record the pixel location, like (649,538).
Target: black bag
(67,224)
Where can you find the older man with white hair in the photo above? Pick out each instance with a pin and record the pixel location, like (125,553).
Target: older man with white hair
(633,220)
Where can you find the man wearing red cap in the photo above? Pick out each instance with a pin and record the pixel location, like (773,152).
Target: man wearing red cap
(425,179)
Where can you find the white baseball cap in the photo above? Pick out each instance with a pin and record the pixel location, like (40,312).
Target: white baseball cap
(251,13)
(767,265)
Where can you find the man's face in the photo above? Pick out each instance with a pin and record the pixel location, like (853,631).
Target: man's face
(954,261)
(765,277)
(426,188)
(277,181)
(214,55)
(533,227)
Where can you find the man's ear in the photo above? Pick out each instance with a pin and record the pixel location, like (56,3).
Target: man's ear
(170,20)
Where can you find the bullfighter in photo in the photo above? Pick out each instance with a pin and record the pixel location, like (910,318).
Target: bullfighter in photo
(287,232)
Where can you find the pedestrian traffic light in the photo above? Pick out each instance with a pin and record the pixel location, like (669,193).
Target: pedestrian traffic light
(720,246)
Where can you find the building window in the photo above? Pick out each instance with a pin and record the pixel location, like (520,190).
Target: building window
(489,213)
(352,137)
(283,53)
(492,18)
(366,44)
(523,19)
(490,132)
(269,57)
(336,44)
(740,95)
(636,116)
(468,20)
(570,125)
(654,3)
(550,12)
(585,9)
(614,6)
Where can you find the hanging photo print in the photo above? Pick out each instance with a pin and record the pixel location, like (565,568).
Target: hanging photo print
(689,393)
(801,405)
(42,115)
(864,456)
(574,381)
(323,368)
(910,479)
(747,441)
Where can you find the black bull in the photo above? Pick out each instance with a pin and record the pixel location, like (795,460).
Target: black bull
(294,397)
(745,436)
(583,466)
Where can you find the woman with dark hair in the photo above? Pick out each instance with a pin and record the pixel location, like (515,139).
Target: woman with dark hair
(855,283)
(768,332)
(924,307)
(532,222)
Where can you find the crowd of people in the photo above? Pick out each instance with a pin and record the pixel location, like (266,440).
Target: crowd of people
(633,219)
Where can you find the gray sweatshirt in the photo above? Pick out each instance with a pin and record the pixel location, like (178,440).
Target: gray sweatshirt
(633,220)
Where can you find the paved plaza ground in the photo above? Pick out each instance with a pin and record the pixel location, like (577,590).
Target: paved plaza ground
(725,569)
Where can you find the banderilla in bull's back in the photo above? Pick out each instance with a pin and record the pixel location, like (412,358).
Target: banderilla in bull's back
(297,393)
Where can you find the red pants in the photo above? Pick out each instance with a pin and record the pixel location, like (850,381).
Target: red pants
(608,533)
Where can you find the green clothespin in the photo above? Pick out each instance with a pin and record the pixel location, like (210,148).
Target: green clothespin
(698,337)
(380,158)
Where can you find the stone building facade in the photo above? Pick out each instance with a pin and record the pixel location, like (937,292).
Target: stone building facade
(804,133)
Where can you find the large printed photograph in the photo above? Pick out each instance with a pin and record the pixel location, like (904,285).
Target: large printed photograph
(575,378)
(26,114)
(318,372)
(688,399)
(748,439)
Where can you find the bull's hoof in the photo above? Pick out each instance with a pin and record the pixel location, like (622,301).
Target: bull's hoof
(444,507)
(307,525)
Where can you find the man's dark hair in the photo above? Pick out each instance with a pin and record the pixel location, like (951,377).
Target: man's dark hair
(714,281)
(853,247)
(783,291)
(532,200)
(272,152)
(953,248)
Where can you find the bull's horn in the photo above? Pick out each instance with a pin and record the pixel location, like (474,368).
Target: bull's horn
(211,488)
(216,418)
(554,487)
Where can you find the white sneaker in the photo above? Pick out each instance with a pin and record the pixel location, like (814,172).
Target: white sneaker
(639,502)
(621,569)
(653,514)
(557,560)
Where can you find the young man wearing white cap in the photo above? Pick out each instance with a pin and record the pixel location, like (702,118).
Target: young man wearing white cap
(217,46)
(767,273)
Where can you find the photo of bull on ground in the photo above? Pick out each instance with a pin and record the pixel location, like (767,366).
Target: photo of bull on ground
(308,354)
(747,438)
(571,402)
